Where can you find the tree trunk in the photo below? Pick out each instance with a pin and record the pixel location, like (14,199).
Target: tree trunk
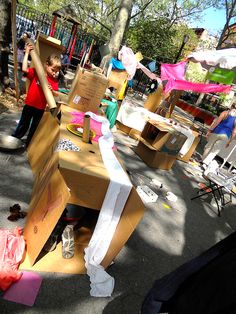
(5,40)
(118,30)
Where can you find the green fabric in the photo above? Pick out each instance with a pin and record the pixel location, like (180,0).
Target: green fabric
(111,111)
(223,76)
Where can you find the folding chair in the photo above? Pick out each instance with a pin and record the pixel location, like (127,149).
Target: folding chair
(219,182)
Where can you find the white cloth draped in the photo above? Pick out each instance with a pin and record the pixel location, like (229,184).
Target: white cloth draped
(102,284)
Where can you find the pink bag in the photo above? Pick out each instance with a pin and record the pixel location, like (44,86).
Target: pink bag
(12,246)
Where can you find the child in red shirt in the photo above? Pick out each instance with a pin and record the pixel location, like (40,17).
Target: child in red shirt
(35,101)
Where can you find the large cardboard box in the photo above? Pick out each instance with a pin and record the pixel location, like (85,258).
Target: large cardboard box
(156,133)
(76,177)
(87,90)
(152,157)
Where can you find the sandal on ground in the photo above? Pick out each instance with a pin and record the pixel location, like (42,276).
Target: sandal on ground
(68,242)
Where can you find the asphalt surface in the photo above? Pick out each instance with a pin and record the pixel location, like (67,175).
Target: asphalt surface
(169,234)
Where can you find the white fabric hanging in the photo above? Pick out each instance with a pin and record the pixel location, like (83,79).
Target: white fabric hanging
(102,284)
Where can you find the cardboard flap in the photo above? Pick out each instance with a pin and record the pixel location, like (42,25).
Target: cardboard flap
(43,142)
(45,210)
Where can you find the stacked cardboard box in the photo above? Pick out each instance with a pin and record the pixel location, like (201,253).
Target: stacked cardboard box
(159,145)
(87,91)
(75,177)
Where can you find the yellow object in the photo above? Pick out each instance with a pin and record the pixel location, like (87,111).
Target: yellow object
(139,56)
(165,206)
(121,94)
(73,128)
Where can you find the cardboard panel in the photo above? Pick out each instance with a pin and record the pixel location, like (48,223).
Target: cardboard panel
(44,213)
(152,157)
(132,214)
(46,45)
(154,99)
(87,91)
(43,142)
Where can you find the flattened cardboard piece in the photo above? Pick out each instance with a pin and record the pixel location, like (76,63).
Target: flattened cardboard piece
(43,217)
(54,262)
(152,157)
(131,216)
(43,142)
(42,178)
(88,90)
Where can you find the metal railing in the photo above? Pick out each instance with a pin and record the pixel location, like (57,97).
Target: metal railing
(33,21)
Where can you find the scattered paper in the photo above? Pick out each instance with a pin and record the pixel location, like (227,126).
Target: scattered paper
(146,194)
(171,197)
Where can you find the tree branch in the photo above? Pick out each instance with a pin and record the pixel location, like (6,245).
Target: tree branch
(142,9)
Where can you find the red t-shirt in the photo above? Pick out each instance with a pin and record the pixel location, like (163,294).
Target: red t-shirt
(35,96)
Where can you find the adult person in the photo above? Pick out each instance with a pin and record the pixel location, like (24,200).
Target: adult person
(21,48)
(220,134)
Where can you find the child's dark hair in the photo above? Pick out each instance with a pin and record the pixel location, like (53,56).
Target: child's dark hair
(54,60)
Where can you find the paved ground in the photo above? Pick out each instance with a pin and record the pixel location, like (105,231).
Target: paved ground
(169,234)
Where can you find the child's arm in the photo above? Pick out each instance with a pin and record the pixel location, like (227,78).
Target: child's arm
(54,92)
(28,48)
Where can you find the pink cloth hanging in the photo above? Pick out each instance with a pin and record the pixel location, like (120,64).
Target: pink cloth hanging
(12,246)
(173,71)
(128,60)
(196,87)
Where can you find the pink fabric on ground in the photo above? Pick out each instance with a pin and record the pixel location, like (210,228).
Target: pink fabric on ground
(12,246)
(173,71)
(196,87)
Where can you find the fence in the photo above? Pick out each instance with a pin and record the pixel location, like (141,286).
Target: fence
(33,21)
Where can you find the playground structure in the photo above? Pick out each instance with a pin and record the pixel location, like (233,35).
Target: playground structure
(62,25)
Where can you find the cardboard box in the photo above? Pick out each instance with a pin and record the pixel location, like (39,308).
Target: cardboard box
(87,90)
(152,157)
(69,177)
(156,133)
(174,144)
